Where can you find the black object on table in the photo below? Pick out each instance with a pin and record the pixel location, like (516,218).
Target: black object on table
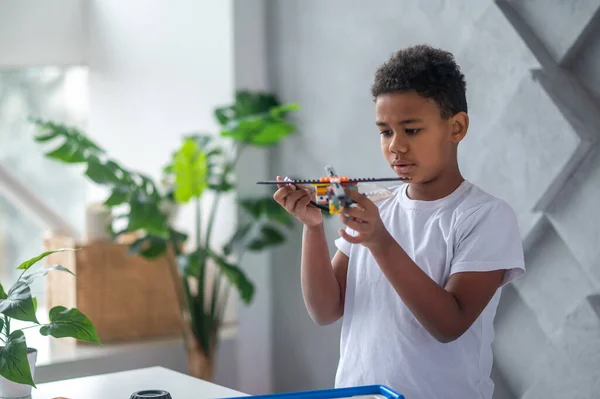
(151,394)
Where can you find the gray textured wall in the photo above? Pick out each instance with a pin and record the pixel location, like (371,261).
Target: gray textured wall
(533,75)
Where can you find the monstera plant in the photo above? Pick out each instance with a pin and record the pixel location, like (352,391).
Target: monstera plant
(17,359)
(202,163)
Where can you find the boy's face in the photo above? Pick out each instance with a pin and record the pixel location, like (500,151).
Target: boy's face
(415,140)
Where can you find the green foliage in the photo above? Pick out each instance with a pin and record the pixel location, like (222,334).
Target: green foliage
(135,190)
(18,304)
(189,168)
(203,162)
(14,365)
(69,323)
(256,119)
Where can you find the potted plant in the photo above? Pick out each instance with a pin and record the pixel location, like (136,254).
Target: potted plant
(203,162)
(17,359)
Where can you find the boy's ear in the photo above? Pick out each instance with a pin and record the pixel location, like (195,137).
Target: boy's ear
(459,125)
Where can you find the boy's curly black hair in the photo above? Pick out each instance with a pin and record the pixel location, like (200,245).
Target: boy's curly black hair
(432,73)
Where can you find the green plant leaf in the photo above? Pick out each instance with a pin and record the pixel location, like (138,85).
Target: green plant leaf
(221,115)
(282,110)
(28,278)
(268,237)
(28,263)
(19,304)
(157,224)
(3,294)
(222,186)
(191,264)
(256,118)
(48,130)
(1,326)
(246,103)
(149,247)
(215,162)
(238,237)
(177,236)
(266,208)
(271,133)
(69,323)
(177,239)
(14,365)
(275,212)
(236,277)
(253,102)
(136,190)
(67,153)
(190,170)
(118,196)
(253,206)
(145,214)
(41,137)
(243,129)
(101,173)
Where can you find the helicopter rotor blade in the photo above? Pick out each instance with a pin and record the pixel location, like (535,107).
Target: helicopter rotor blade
(300,181)
(317,181)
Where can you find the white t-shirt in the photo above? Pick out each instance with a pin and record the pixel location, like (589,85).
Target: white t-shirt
(381,341)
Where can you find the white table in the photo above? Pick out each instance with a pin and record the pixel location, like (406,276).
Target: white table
(122,384)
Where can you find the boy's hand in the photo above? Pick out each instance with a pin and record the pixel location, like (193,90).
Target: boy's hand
(296,200)
(368,225)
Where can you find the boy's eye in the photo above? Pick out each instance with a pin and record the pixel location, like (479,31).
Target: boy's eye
(386,132)
(411,132)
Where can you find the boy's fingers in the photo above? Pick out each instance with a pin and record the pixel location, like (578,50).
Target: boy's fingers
(302,202)
(281,194)
(359,198)
(356,211)
(348,237)
(291,201)
(292,186)
(356,225)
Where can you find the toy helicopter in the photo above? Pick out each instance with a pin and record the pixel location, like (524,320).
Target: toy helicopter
(330,189)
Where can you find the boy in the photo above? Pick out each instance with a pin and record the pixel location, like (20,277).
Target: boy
(417,277)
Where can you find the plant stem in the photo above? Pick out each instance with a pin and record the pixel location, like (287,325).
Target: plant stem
(28,327)
(228,168)
(179,290)
(221,311)
(20,276)
(202,259)
(198,222)
(213,212)
(217,279)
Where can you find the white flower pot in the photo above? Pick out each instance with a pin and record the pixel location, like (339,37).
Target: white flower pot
(97,220)
(12,390)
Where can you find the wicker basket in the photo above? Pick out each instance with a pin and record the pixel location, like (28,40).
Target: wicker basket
(126,297)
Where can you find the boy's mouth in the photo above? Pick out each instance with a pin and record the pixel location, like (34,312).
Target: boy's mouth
(403,167)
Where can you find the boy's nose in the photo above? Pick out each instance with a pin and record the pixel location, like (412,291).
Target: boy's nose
(398,146)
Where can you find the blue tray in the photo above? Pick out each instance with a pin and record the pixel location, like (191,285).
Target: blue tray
(333,393)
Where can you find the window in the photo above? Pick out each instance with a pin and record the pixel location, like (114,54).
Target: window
(34,189)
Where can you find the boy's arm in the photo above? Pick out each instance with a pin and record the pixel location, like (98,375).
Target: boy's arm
(487,256)
(446,312)
(323,279)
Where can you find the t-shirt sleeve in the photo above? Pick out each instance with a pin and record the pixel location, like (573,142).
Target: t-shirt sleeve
(343,245)
(489,239)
